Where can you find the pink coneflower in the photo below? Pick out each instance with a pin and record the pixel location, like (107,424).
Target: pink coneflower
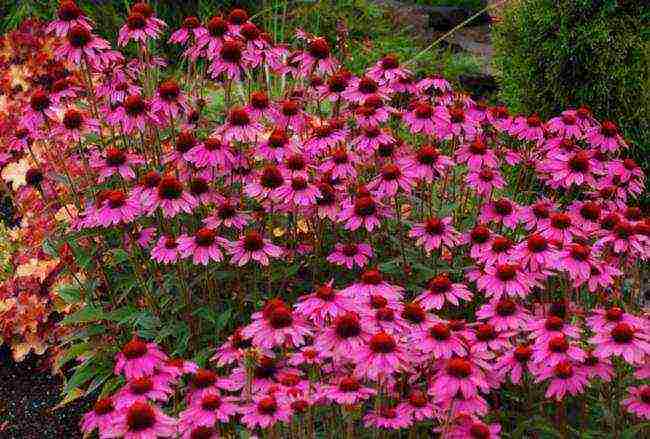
(515,362)
(417,407)
(624,339)
(537,213)
(438,341)
(266,185)
(427,164)
(500,118)
(576,168)
(134,114)
(536,253)
(596,367)
(606,137)
(386,417)
(387,69)
(76,124)
(364,211)
(252,246)
(175,368)
(373,112)
(264,412)
(577,260)
(391,179)
(277,326)
(560,227)
(142,420)
(139,27)
(477,154)
(360,88)
(638,401)
(485,337)
(499,252)
(459,124)
(501,210)
(114,161)
(372,283)
(553,326)
(171,197)
(233,349)
(206,411)
(441,289)
(317,58)
(231,60)
(278,146)
(299,192)
(602,321)
(587,215)
(459,375)
(504,314)
(190,28)
(370,139)
(555,350)
(485,181)
(435,232)
(102,417)
(468,427)
(348,390)
(529,128)
(153,388)
(204,246)
(41,107)
(566,125)
(336,85)
(82,45)
(170,100)
(480,238)
(340,163)
(68,15)
(166,250)
(240,126)
(623,239)
(138,359)
(566,377)
(324,305)
(505,279)
(426,119)
(211,41)
(349,255)
(227,215)
(343,336)
(117,208)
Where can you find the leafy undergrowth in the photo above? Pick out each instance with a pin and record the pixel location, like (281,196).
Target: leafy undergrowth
(256,240)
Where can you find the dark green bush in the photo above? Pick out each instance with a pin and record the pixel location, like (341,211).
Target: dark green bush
(558,53)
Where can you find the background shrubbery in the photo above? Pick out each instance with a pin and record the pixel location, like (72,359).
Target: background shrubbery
(556,53)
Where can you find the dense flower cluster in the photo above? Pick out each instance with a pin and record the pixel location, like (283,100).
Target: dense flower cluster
(516,240)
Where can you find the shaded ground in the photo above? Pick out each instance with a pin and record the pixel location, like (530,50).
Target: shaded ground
(27,394)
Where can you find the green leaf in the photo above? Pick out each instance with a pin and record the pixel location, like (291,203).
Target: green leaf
(85,315)
(120,255)
(70,293)
(72,353)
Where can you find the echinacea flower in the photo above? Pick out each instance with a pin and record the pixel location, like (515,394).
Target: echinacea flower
(514,362)
(638,401)
(504,314)
(324,305)
(434,233)
(566,377)
(264,412)
(142,420)
(252,246)
(387,418)
(207,411)
(152,388)
(627,340)
(102,417)
(459,374)
(166,250)
(606,137)
(441,289)
(438,341)
(203,247)
(276,326)
(351,254)
(68,15)
(171,197)
(117,208)
(138,359)
(417,407)
(505,279)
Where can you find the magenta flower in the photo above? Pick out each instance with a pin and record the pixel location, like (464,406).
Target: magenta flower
(253,247)
(138,359)
(191,29)
(391,179)
(348,391)
(133,115)
(555,350)
(505,279)
(426,119)
(364,212)
(114,161)
(468,427)
(504,314)
(435,232)
(345,335)
(388,418)
(166,250)
(264,412)
(298,192)
(240,126)
(227,215)
(349,255)
(485,181)
(210,409)
(170,196)
(543,330)
(428,164)
(440,290)
(417,407)
(153,388)
(142,420)
(502,211)
(277,325)
(117,208)
(459,375)
(68,15)
(627,340)
(140,26)
(102,417)
(324,305)
(438,341)
(606,137)
(566,377)
(204,246)
(514,362)
(638,401)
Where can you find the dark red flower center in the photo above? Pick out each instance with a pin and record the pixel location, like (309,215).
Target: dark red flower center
(250,32)
(239,117)
(142,8)
(440,284)
(560,221)
(134,349)
(271,177)
(480,234)
(540,210)
(337,83)
(569,119)
(79,36)
(238,16)
(169,90)
(68,11)
(417,398)
(204,378)
(231,51)
(347,325)
(349,384)
(434,226)
(150,180)
(350,250)
(134,105)
(503,207)
(423,110)
(382,343)
(191,23)
(534,121)
(563,370)
(203,432)
(523,353)
(608,128)
(253,242)
(326,293)
(280,318)
(614,314)
(217,27)
(501,244)
(371,277)
(457,115)
(199,186)
(486,175)
(554,323)
(73,119)
(267,406)
(479,431)
(319,48)
(385,314)
(537,243)
(141,386)
(136,21)
(205,237)
(39,101)
(506,272)
(266,368)
(622,333)
(645,395)
(579,162)
(368,85)
(414,313)
(103,406)
(140,416)
(506,307)
(365,206)
(459,368)
(590,211)
(623,230)
(485,332)
(558,344)
(428,155)
(170,188)
(185,141)
(259,100)
(116,199)
(580,252)
(440,331)
(377,301)
(33,176)
(389,61)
